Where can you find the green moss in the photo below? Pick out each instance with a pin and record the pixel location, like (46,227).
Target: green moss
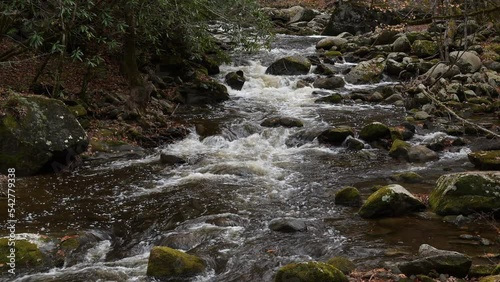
(481,270)
(343,264)
(169,263)
(495,278)
(391,200)
(332,54)
(375,131)
(408,177)
(399,149)
(424,278)
(78,110)
(424,48)
(348,196)
(27,255)
(309,272)
(70,244)
(496,271)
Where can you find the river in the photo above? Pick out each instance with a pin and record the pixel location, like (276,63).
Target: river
(237,177)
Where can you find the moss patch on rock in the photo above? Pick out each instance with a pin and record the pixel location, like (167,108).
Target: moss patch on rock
(375,131)
(310,272)
(486,160)
(348,196)
(27,254)
(391,200)
(343,264)
(166,262)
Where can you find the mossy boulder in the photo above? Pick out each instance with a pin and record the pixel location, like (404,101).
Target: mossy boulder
(402,44)
(292,65)
(399,149)
(486,160)
(407,177)
(201,92)
(282,121)
(329,42)
(481,270)
(38,134)
(332,82)
(424,48)
(493,278)
(375,131)
(27,255)
(343,264)
(348,196)
(391,200)
(235,79)
(331,99)
(367,71)
(310,272)
(466,193)
(435,260)
(168,263)
(335,136)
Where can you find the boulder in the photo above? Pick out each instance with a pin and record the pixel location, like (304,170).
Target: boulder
(402,44)
(331,83)
(282,121)
(322,69)
(348,196)
(387,36)
(375,131)
(335,136)
(399,149)
(303,15)
(288,224)
(356,18)
(38,134)
(27,255)
(308,272)
(496,271)
(391,200)
(440,261)
(329,42)
(292,65)
(394,68)
(486,160)
(466,193)
(367,72)
(424,48)
(171,159)
(354,144)
(200,92)
(443,70)
(492,278)
(331,99)
(343,264)
(468,62)
(168,263)
(235,80)
(407,177)
(421,154)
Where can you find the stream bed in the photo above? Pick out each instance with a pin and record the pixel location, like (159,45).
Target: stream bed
(237,177)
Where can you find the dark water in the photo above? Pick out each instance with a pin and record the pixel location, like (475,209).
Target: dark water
(237,178)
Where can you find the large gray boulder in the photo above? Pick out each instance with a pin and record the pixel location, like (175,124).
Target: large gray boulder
(367,72)
(442,261)
(331,83)
(168,263)
(443,70)
(329,42)
(391,200)
(38,133)
(468,62)
(424,48)
(292,65)
(288,224)
(466,193)
(200,92)
(402,44)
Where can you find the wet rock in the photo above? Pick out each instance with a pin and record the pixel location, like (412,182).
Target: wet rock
(468,62)
(486,160)
(330,83)
(394,68)
(343,264)
(329,42)
(348,196)
(421,154)
(167,263)
(38,134)
(385,37)
(399,149)
(481,270)
(407,177)
(201,92)
(292,65)
(335,136)
(492,278)
(402,44)
(26,256)
(288,224)
(404,131)
(309,271)
(282,121)
(466,193)
(496,271)
(441,261)
(424,48)
(303,15)
(375,131)
(367,71)
(391,200)
(331,99)
(354,144)
(324,70)
(235,80)
(171,159)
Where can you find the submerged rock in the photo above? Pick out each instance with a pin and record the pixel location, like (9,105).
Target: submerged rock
(466,193)
(348,196)
(486,160)
(282,121)
(391,200)
(309,272)
(442,261)
(288,224)
(171,159)
(292,65)
(335,136)
(38,134)
(168,263)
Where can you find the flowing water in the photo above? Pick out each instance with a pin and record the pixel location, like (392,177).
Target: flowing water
(237,177)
